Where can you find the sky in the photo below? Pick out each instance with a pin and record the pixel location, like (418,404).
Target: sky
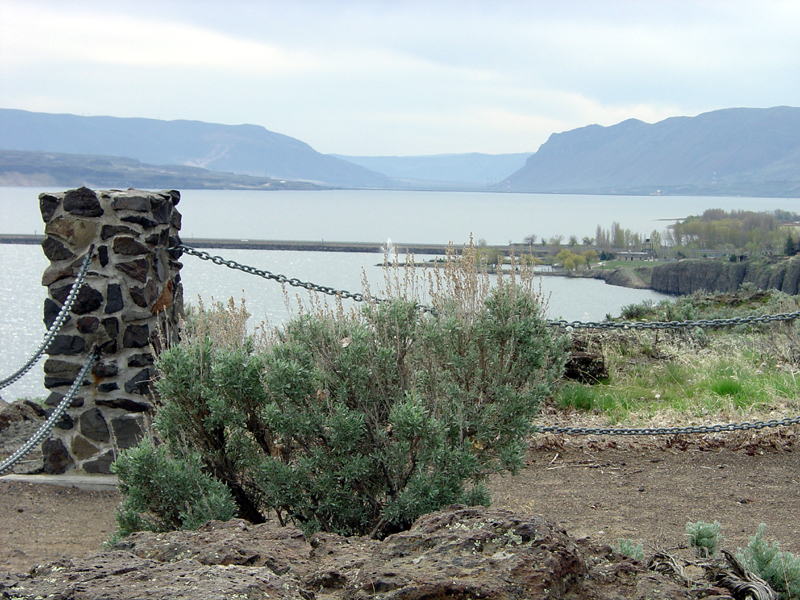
(400,78)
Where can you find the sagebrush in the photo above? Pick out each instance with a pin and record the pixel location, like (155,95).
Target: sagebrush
(358,422)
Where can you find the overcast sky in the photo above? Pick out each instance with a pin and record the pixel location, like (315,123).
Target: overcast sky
(399,77)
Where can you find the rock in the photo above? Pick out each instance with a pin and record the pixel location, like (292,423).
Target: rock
(585,364)
(455,553)
(127,246)
(82,202)
(136,336)
(78,233)
(94,426)
(17,412)
(128,430)
(694,275)
(55,250)
(113,298)
(100,464)
(87,299)
(57,459)
(48,204)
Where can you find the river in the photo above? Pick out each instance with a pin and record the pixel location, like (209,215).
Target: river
(357,216)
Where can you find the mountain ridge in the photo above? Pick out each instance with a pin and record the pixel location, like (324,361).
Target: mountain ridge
(243,149)
(728,146)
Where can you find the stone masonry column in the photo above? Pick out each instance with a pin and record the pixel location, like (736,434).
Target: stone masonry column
(130,303)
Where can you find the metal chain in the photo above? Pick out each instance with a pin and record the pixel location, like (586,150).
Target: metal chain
(48,425)
(282,279)
(669,430)
(57,323)
(675,324)
(561,324)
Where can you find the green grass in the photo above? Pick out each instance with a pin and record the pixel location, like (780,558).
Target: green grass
(713,375)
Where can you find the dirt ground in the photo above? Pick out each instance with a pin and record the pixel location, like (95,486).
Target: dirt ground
(601,488)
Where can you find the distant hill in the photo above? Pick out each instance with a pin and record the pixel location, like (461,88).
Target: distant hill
(747,151)
(473,169)
(51,169)
(243,149)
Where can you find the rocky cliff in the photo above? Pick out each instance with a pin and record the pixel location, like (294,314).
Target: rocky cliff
(688,276)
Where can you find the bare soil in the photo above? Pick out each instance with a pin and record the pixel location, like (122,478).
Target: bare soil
(601,488)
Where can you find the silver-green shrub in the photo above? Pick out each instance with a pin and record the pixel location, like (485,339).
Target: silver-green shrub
(778,568)
(360,422)
(705,538)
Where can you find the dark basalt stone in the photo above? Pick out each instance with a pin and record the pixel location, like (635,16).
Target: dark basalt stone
(94,426)
(135,268)
(88,324)
(111,325)
(139,220)
(128,430)
(100,465)
(55,250)
(111,230)
(48,204)
(67,344)
(102,255)
(134,203)
(82,202)
(113,299)
(144,296)
(51,310)
(127,404)
(105,369)
(140,383)
(56,457)
(127,246)
(87,300)
(55,398)
(136,336)
(109,348)
(105,388)
(158,239)
(65,423)
(141,360)
(163,213)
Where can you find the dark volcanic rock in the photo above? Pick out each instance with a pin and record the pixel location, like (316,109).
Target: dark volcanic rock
(585,363)
(694,275)
(457,553)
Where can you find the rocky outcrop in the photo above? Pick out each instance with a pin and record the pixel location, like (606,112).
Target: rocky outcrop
(694,275)
(456,553)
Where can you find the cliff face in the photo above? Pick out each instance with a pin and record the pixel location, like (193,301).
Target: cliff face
(688,276)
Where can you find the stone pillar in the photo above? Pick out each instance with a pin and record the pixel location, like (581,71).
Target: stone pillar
(130,303)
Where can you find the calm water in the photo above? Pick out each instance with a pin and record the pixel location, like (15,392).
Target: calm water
(404,216)
(369,216)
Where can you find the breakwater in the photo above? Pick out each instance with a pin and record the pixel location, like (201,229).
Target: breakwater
(247,244)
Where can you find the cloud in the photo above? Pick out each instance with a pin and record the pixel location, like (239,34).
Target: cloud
(60,35)
(398,77)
